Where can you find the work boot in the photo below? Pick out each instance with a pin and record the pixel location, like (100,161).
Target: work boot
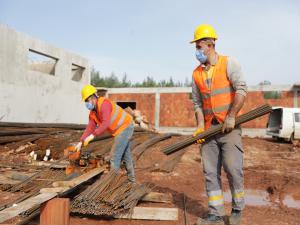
(210,219)
(235,217)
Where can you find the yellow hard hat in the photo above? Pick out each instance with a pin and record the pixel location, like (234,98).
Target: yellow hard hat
(87,91)
(204,31)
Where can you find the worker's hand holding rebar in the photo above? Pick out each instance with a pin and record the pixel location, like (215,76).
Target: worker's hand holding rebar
(198,131)
(228,124)
(88,140)
(78,146)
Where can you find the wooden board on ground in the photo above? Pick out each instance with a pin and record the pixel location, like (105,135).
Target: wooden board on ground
(29,203)
(157,197)
(13,211)
(150,213)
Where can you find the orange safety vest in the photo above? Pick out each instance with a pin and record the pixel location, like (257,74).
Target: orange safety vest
(119,119)
(218,98)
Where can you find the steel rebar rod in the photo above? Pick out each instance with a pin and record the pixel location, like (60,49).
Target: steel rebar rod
(217,129)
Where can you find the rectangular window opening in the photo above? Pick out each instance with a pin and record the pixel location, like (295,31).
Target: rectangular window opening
(41,62)
(77,72)
(124,105)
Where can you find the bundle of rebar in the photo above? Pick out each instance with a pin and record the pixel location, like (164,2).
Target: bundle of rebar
(217,129)
(109,196)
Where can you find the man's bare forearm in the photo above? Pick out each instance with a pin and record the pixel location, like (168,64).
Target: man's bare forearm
(238,103)
(199,118)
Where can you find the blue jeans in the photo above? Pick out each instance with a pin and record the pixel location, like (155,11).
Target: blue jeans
(121,151)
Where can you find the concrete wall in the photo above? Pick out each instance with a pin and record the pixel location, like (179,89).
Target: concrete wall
(172,108)
(32,96)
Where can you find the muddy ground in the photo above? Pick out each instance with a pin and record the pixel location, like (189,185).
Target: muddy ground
(272,183)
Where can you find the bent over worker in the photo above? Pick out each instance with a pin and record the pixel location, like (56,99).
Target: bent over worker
(107,115)
(218,92)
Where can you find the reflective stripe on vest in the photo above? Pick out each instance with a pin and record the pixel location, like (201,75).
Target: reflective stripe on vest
(119,118)
(218,98)
(217,109)
(218,91)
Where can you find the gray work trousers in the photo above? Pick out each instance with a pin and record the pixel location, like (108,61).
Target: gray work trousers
(223,150)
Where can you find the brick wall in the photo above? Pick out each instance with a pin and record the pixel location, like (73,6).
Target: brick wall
(176,109)
(144,102)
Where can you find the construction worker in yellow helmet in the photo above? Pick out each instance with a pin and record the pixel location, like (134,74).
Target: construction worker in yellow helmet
(218,93)
(106,115)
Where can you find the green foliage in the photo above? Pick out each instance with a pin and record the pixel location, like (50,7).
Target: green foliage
(272,94)
(113,81)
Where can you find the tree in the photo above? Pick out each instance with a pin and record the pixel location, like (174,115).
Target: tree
(112,81)
(125,82)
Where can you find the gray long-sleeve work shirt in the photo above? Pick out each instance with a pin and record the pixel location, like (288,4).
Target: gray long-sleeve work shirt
(235,76)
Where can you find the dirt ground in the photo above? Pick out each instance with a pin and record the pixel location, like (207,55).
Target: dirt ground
(272,179)
(272,184)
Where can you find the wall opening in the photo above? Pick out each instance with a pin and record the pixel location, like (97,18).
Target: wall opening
(41,62)
(102,92)
(124,105)
(77,72)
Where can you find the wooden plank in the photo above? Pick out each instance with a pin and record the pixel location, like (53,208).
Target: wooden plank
(54,190)
(13,211)
(149,213)
(78,180)
(157,197)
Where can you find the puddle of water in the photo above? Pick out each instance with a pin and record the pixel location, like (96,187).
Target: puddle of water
(261,198)
(252,198)
(289,201)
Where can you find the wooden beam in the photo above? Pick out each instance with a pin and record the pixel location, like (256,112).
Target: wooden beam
(54,190)
(149,213)
(157,197)
(78,180)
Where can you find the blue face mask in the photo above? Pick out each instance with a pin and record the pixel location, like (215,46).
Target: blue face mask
(89,106)
(200,56)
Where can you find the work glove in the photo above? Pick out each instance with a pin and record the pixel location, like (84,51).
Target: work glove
(198,131)
(228,124)
(78,146)
(88,140)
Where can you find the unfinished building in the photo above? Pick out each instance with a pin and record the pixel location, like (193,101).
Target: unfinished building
(39,82)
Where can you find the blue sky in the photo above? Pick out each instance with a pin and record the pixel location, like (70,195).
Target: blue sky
(151,38)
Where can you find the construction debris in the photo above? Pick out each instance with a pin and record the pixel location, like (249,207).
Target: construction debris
(257,164)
